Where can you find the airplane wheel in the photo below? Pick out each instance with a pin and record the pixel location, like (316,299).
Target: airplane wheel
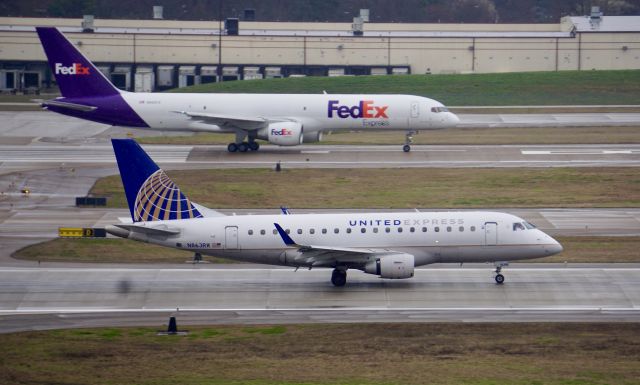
(499,279)
(406,148)
(243,147)
(254,146)
(232,147)
(339,278)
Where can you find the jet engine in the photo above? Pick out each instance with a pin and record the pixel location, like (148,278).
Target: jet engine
(312,137)
(283,133)
(394,266)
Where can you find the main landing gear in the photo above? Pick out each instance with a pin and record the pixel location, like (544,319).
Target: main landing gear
(408,139)
(243,146)
(339,277)
(240,145)
(499,277)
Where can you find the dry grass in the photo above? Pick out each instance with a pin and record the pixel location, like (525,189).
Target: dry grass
(548,353)
(576,250)
(400,188)
(471,136)
(593,249)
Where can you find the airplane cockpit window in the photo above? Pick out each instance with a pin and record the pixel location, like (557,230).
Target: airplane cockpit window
(518,226)
(439,109)
(530,225)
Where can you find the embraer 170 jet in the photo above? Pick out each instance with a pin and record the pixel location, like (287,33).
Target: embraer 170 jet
(280,119)
(389,245)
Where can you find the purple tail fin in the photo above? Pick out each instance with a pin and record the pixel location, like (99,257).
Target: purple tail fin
(75,74)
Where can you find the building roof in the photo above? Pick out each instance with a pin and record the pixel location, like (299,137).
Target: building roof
(606,24)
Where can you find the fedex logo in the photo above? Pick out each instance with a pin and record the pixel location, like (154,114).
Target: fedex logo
(74,69)
(364,109)
(281,132)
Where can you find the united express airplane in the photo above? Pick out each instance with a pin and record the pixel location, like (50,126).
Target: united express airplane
(390,245)
(280,119)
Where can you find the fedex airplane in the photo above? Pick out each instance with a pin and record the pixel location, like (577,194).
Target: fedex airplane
(390,245)
(280,119)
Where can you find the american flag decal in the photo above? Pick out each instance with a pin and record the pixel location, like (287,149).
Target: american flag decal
(160,199)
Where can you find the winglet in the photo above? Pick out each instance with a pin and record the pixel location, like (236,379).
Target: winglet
(285,237)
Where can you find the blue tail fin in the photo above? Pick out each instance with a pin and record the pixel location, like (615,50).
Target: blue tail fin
(75,74)
(151,195)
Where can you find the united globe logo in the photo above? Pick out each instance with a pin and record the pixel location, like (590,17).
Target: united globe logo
(160,199)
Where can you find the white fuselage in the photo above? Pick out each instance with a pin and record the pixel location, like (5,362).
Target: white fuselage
(448,236)
(316,112)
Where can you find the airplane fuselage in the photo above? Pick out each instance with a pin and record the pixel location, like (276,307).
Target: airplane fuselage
(321,112)
(447,236)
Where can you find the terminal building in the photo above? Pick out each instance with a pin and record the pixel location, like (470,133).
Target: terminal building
(157,54)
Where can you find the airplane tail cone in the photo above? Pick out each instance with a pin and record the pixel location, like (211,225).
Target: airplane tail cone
(151,195)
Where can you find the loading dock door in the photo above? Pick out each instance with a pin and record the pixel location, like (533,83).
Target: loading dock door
(231,238)
(490,233)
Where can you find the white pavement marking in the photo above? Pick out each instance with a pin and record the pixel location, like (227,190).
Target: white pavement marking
(580,152)
(322,310)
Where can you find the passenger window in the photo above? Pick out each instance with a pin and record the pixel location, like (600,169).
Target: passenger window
(349,231)
(288,231)
(424,229)
(388,230)
(312,231)
(299,231)
(375,230)
(262,232)
(250,232)
(473,228)
(363,230)
(436,229)
(336,230)
(461,229)
(275,232)
(448,229)
(399,229)
(413,229)
(324,231)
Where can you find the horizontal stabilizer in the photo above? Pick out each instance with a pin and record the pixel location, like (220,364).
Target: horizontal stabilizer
(160,230)
(70,106)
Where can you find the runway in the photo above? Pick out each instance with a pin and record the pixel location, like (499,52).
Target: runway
(257,295)
(343,156)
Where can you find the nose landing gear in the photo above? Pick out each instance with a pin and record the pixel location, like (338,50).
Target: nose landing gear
(408,139)
(499,277)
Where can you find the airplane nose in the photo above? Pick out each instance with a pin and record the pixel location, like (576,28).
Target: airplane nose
(554,248)
(453,119)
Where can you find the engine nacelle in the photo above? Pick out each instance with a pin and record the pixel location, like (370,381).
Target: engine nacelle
(312,137)
(284,133)
(394,266)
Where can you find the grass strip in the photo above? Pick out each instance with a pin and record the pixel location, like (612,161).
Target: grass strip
(577,249)
(400,188)
(438,353)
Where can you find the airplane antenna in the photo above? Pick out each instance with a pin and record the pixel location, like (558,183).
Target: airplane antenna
(324,92)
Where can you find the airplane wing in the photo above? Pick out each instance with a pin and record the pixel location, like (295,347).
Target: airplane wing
(230,121)
(328,256)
